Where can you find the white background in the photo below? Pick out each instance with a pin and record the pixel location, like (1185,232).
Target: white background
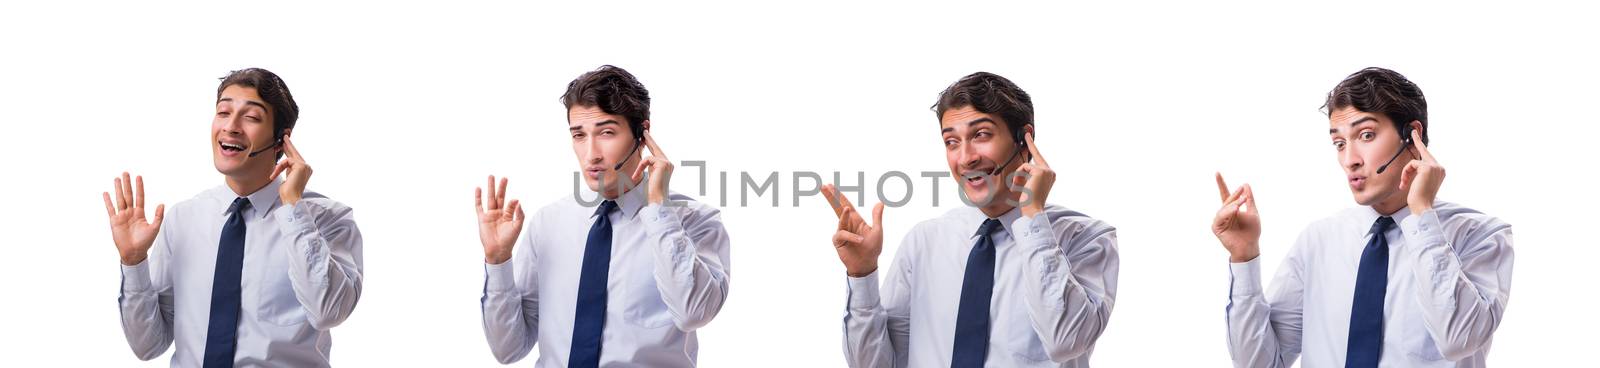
(406,108)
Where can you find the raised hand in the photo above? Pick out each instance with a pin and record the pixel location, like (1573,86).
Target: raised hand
(857,242)
(660,170)
(130,231)
(499,223)
(298,173)
(1238,223)
(1422,178)
(1038,180)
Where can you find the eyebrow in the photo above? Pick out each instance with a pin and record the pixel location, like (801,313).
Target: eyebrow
(970,123)
(1353,123)
(247,102)
(580,127)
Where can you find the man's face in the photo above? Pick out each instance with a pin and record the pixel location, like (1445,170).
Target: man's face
(600,141)
(242,124)
(1364,141)
(974,144)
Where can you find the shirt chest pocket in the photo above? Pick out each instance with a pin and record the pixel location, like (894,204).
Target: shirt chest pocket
(276,303)
(1019,337)
(642,303)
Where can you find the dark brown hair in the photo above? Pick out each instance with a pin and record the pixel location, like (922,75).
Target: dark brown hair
(614,91)
(990,94)
(272,91)
(1381,91)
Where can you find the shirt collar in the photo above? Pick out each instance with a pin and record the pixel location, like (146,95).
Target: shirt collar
(1369,216)
(628,204)
(261,201)
(972,217)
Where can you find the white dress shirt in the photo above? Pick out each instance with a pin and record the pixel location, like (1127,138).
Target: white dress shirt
(668,276)
(1449,278)
(1054,285)
(301,277)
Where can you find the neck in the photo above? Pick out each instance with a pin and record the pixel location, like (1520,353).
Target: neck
(1391,205)
(244,185)
(999,207)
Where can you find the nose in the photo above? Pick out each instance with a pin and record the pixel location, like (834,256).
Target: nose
(594,151)
(1351,158)
(969,155)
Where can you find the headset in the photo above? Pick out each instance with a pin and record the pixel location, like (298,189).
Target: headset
(276,143)
(1405,141)
(638,139)
(1021,146)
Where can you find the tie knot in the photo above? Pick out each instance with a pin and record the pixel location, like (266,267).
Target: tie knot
(239,204)
(1383,225)
(988,227)
(605,208)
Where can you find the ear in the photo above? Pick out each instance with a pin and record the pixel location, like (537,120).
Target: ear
(1027,153)
(286,132)
(645,124)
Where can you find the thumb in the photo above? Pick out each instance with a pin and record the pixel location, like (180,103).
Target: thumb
(877,215)
(161,210)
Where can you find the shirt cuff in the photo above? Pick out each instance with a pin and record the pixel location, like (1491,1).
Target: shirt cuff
(295,218)
(1034,231)
(499,278)
(864,291)
(1245,278)
(1423,231)
(136,278)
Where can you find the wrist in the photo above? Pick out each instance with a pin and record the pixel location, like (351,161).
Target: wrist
(862,271)
(134,259)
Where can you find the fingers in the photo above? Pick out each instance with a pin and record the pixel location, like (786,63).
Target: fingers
(477,199)
(510,213)
(1222,187)
(491,194)
(500,194)
(111,211)
(829,193)
(288,148)
(1034,148)
(161,210)
(281,167)
(638,171)
(1247,198)
(650,143)
(1407,174)
(843,237)
(138,199)
(520,216)
(877,215)
(1422,148)
(127,191)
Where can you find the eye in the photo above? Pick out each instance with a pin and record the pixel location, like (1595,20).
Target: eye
(949,142)
(577,135)
(608,133)
(253,118)
(222,114)
(1338,145)
(1368,135)
(984,134)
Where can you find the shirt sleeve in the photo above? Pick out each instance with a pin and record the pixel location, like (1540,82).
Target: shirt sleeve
(691,261)
(877,327)
(1463,281)
(145,301)
(325,260)
(511,300)
(1069,298)
(1264,330)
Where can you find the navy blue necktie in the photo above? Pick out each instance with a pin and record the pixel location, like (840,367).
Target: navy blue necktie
(222,333)
(1366,312)
(972,319)
(590,319)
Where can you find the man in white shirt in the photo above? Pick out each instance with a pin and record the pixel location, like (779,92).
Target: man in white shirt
(1006,281)
(1405,280)
(620,275)
(251,273)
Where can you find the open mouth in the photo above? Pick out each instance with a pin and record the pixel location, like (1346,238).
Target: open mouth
(976,179)
(229,147)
